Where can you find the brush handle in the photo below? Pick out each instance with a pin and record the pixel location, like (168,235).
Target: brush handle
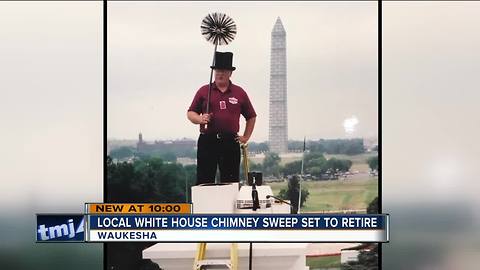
(210,83)
(244,147)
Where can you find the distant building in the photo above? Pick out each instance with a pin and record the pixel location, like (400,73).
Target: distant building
(278,125)
(183,147)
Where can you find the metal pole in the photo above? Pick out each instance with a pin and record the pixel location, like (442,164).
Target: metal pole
(303,155)
(210,84)
(250,257)
(186,185)
(299,194)
(300,180)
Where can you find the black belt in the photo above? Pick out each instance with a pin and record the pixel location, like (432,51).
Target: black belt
(221,135)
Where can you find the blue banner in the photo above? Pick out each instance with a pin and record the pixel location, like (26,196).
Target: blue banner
(237,222)
(60,228)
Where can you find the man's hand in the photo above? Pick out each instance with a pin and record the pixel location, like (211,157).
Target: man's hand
(248,131)
(205,118)
(242,139)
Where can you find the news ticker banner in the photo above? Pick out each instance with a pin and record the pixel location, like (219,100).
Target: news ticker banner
(175,223)
(238,228)
(138,208)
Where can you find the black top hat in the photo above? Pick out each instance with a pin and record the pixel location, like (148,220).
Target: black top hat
(223,60)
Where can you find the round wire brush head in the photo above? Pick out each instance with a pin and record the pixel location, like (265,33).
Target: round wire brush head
(218,28)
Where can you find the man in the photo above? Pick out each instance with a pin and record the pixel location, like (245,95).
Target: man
(218,143)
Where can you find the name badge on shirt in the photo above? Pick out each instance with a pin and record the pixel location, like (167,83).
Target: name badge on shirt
(223,105)
(233,100)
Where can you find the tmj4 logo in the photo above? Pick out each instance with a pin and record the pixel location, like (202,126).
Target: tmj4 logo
(61,230)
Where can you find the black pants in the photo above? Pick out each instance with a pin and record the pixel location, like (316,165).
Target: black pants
(218,149)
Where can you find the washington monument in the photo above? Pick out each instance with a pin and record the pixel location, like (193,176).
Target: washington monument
(278,121)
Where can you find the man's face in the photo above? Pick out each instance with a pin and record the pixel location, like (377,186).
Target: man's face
(222,76)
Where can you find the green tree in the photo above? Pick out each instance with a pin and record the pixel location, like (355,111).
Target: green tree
(291,193)
(373,163)
(367,260)
(120,177)
(313,159)
(316,171)
(315,163)
(144,180)
(165,156)
(122,152)
(191,179)
(337,146)
(271,164)
(291,168)
(373,207)
(353,148)
(338,165)
(257,167)
(191,153)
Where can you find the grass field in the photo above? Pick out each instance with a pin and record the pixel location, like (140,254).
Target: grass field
(336,194)
(355,193)
(323,262)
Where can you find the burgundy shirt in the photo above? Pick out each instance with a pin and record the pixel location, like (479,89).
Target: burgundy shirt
(226,108)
